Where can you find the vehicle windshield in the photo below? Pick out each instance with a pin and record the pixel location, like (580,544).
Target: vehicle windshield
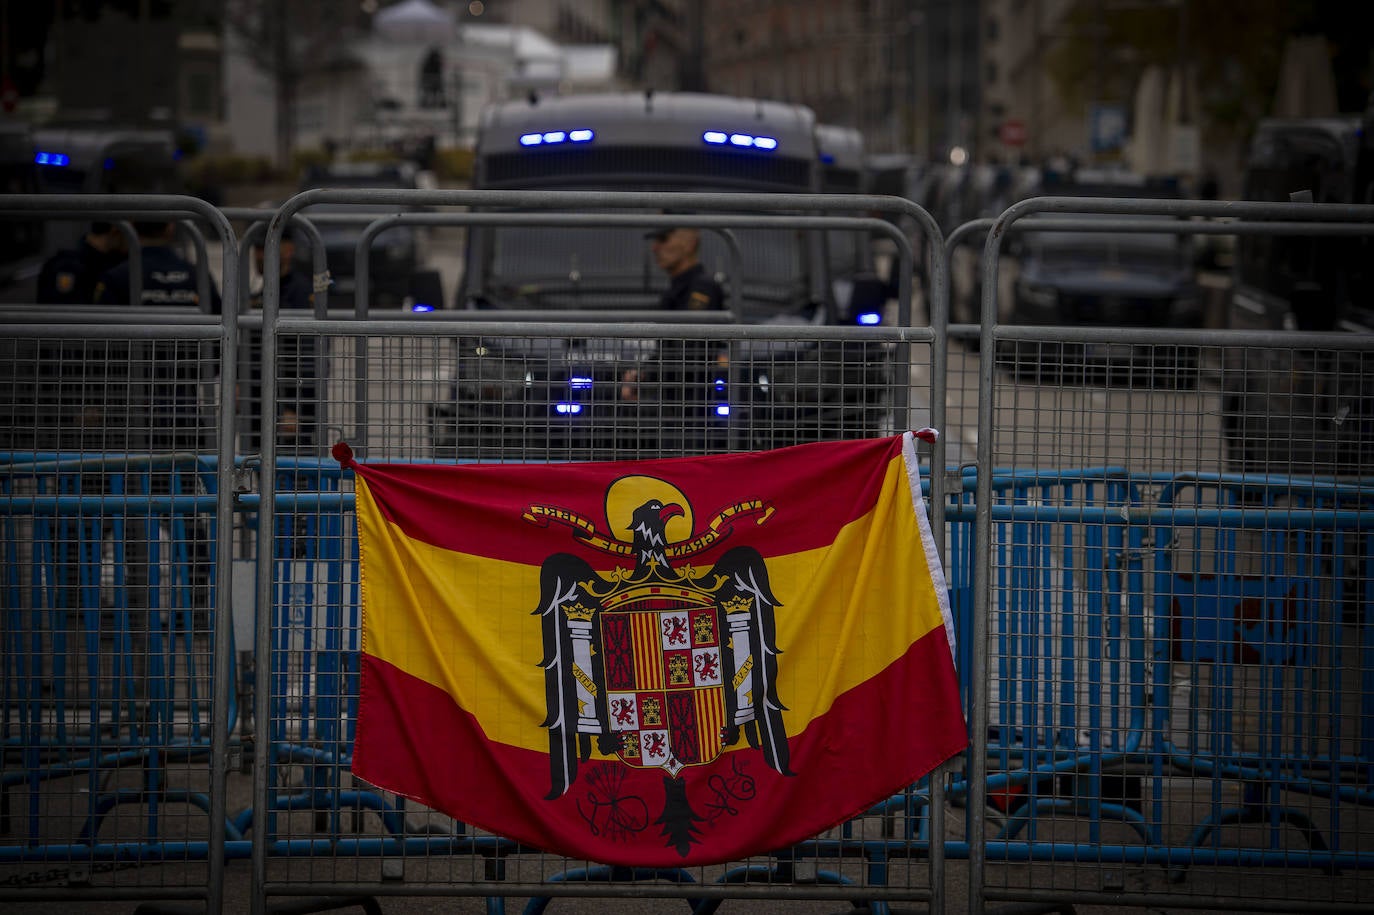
(380,179)
(605,267)
(1138,250)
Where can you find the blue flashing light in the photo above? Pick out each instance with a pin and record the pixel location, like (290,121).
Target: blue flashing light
(51,158)
(869,318)
(421,308)
(579,383)
(720,384)
(722,409)
(109,164)
(742,140)
(568,408)
(552,137)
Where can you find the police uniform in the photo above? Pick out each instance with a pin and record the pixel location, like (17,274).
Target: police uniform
(693,289)
(168,279)
(70,276)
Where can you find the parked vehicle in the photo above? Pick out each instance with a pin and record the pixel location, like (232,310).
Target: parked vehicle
(522,396)
(397,273)
(1111,279)
(103,159)
(1304,410)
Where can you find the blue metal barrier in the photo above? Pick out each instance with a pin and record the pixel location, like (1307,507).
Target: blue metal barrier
(107,648)
(1068,652)
(1111,592)
(1261,655)
(314,664)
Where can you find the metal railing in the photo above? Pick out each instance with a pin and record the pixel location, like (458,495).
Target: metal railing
(1167,663)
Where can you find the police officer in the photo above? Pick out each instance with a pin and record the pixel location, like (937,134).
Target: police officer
(70,276)
(296,289)
(677,380)
(168,278)
(677,251)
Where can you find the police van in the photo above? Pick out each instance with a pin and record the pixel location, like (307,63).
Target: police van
(1304,411)
(563,399)
(103,159)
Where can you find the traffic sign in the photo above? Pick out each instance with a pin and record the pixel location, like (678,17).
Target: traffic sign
(1012,132)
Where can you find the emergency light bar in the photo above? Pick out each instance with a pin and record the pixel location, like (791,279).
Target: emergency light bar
(721,138)
(51,158)
(552,137)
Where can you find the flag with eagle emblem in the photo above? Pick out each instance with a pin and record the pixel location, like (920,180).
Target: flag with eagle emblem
(654,663)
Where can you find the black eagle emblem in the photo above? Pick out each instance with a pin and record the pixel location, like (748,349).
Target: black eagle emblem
(663,664)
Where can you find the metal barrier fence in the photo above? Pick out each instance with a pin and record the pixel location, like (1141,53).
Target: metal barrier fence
(1221,765)
(1168,667)
(117,658)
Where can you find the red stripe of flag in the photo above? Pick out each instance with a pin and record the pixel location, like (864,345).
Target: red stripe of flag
(422,499)
(412,734)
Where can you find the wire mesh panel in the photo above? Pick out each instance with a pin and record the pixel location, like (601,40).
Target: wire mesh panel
(1177,576)
(507,391)
(108,510)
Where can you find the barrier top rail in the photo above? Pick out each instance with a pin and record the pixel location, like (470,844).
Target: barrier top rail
(378,224)
(1134,224)
(720,223)
(584,200)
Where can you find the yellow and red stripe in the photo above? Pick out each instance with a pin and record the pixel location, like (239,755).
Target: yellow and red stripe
(453,698)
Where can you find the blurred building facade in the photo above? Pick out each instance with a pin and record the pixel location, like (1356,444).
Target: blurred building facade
(414,70)
(905,73)
(71,62)
(927,78)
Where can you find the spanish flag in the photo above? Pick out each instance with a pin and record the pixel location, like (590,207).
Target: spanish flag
(654,663)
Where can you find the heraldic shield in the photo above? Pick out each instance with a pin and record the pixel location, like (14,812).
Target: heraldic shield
(663,685)
(666,666)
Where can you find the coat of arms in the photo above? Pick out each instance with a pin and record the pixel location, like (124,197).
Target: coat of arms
(664,664)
